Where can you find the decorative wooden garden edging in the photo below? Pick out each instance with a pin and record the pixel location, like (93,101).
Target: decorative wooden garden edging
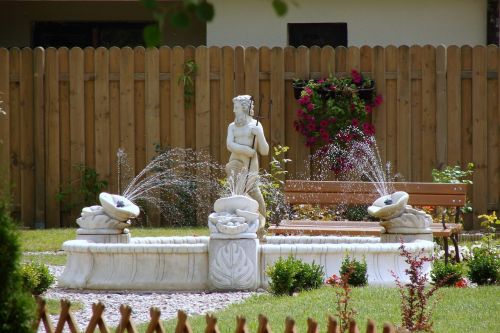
(155,324)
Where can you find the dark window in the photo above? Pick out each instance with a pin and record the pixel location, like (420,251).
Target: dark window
(493,22)
(320,34)
(83,34)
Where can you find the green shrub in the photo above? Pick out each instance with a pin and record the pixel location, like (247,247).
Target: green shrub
(446,274)
(17,307)
(356,212)
(293,275)
(355,270)
(36,277)
(484,267)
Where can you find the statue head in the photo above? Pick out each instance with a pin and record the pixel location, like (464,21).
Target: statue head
(243,109)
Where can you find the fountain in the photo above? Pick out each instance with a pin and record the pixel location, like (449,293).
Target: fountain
(235,255)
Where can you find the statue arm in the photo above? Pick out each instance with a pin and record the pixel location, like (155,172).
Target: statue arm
(262,145)
(237,148)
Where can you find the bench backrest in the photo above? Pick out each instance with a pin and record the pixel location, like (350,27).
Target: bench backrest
(344,192)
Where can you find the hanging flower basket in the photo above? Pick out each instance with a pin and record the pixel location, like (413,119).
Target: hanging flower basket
(298,85)
(330,105)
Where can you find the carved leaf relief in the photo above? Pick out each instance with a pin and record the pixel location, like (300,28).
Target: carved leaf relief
(231,268)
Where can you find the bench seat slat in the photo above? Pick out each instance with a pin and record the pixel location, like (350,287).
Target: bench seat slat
(368,198)
(367,187)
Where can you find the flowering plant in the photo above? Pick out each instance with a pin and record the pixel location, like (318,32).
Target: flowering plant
(330,105)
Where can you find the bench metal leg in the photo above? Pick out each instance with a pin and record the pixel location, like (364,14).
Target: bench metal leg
(454,239)
(446,251)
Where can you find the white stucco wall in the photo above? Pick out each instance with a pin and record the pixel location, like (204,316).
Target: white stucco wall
(369,22)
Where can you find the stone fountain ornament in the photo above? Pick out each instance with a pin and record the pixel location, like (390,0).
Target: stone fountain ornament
(107,223)
(400,220)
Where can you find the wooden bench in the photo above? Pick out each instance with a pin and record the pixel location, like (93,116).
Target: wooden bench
(326,193)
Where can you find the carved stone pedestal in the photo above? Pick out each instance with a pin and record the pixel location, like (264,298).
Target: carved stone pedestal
(233,264)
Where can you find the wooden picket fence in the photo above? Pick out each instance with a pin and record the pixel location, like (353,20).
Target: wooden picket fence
(155,324)
(71,106)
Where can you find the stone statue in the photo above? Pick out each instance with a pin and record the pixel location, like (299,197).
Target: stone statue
(245,138)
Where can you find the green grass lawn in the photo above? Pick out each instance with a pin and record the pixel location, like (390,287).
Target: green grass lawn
(458,310)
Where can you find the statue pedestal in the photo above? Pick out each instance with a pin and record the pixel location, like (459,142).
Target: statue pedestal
(405,238)
(233,264)
(104,235)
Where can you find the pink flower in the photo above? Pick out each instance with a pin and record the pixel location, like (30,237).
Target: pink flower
(310,107)
(321,81)
(304,100)
(325,137)
(368,108)
(323,123)
(322,131)
(355,122)
(378,100)
(300,113)
(308,91)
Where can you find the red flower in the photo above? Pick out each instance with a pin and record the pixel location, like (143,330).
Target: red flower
(311,126)
(368,129)
(308,91)
(355,122)
(356,77)
(300,113)
(310,107)
(323,123)
(304,100)
(378,100)
(332,120)
(368,108)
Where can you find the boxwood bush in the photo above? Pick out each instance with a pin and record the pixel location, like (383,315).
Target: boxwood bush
(293,275)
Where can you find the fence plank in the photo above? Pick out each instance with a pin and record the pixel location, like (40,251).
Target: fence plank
(165,58)
(239,71)
(441,108)
(140,135)
(189,103)
(428,111)
(404,126)
(453,93)
(241,325)
(497,174)
(4,120)
(76,116)
(379,115)
(353,58)
(252,73)
(177,120)
(64,137)
(202,119)
(152,102)
(114,116)
(52,131)
(126,322)
(102,120)
(277,120)
(96,320)
(416,113)
(466,103)
(182,324)
(127,115)
(211,324)
(27,140)
(263,325)
(493,168)
(5,116)
(290,106)
(327,61)
(88,55)
(479,131)
(390,98)
(302,162)
(227,92)
(219,100)
(66,317)
(15,123)
(42,315)
(263,102)
(39,135)
(155,324)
